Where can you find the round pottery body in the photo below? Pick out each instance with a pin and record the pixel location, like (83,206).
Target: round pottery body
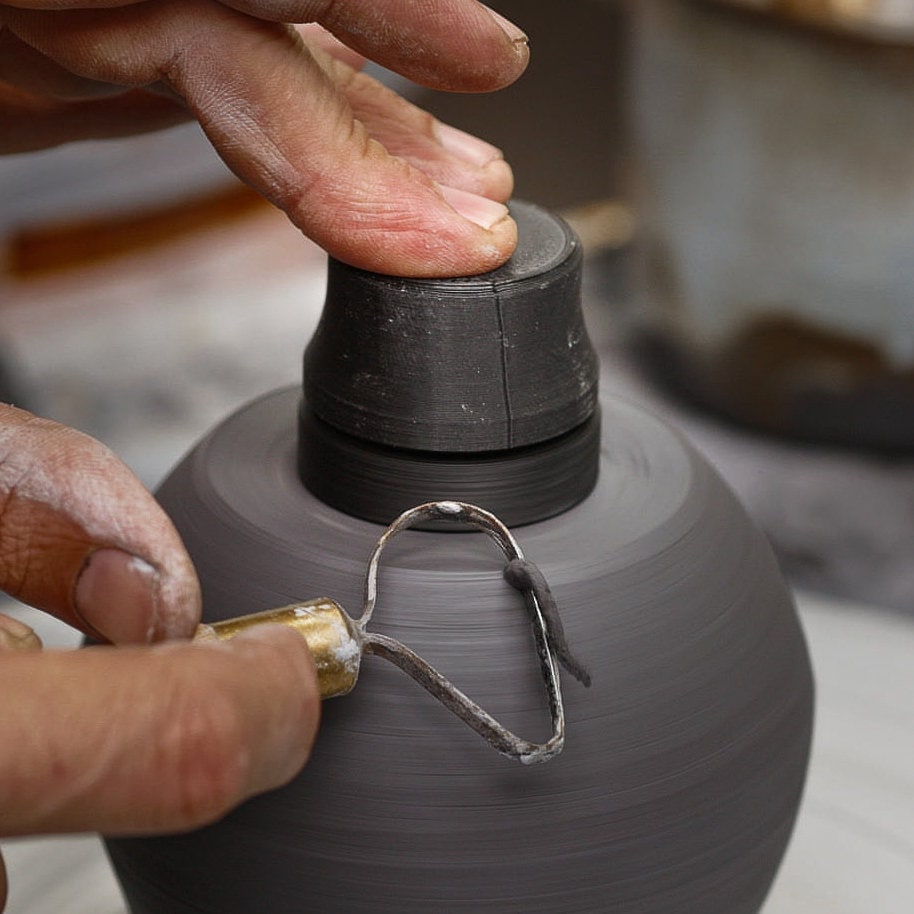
(684,762)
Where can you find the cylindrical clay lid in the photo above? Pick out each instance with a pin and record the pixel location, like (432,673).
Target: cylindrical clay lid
(465,365)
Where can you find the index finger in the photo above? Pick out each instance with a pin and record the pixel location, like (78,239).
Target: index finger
(456,45)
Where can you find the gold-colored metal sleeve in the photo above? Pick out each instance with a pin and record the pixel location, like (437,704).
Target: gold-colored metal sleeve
(326,627)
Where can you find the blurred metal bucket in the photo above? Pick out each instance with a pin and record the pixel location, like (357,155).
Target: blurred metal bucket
(775,265)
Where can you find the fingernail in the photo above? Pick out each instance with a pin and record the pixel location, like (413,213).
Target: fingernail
(115,596)
(17,636)
(481,211)
(518,36)
(466,146)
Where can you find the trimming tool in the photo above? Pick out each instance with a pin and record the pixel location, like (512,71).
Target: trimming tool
(338,642)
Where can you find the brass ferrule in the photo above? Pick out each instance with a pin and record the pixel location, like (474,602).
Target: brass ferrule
(332,637)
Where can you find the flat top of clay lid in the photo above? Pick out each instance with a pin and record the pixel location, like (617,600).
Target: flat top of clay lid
(888,21)
(544,242)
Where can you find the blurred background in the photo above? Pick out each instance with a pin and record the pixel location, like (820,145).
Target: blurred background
(742,175)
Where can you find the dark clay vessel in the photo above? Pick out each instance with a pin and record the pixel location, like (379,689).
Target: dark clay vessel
(684,762)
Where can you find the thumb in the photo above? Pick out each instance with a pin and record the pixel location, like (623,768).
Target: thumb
(81,538)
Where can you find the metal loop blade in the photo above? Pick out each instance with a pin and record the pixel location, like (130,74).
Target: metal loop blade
(497,735)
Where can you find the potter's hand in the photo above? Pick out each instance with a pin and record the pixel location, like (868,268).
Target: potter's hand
(140,737)
(369,177)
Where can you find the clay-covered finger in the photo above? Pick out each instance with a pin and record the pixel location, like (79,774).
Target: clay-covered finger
(458,45)
(80,537)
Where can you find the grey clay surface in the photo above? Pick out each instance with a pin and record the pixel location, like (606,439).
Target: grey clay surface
(684,762)
(470,364)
